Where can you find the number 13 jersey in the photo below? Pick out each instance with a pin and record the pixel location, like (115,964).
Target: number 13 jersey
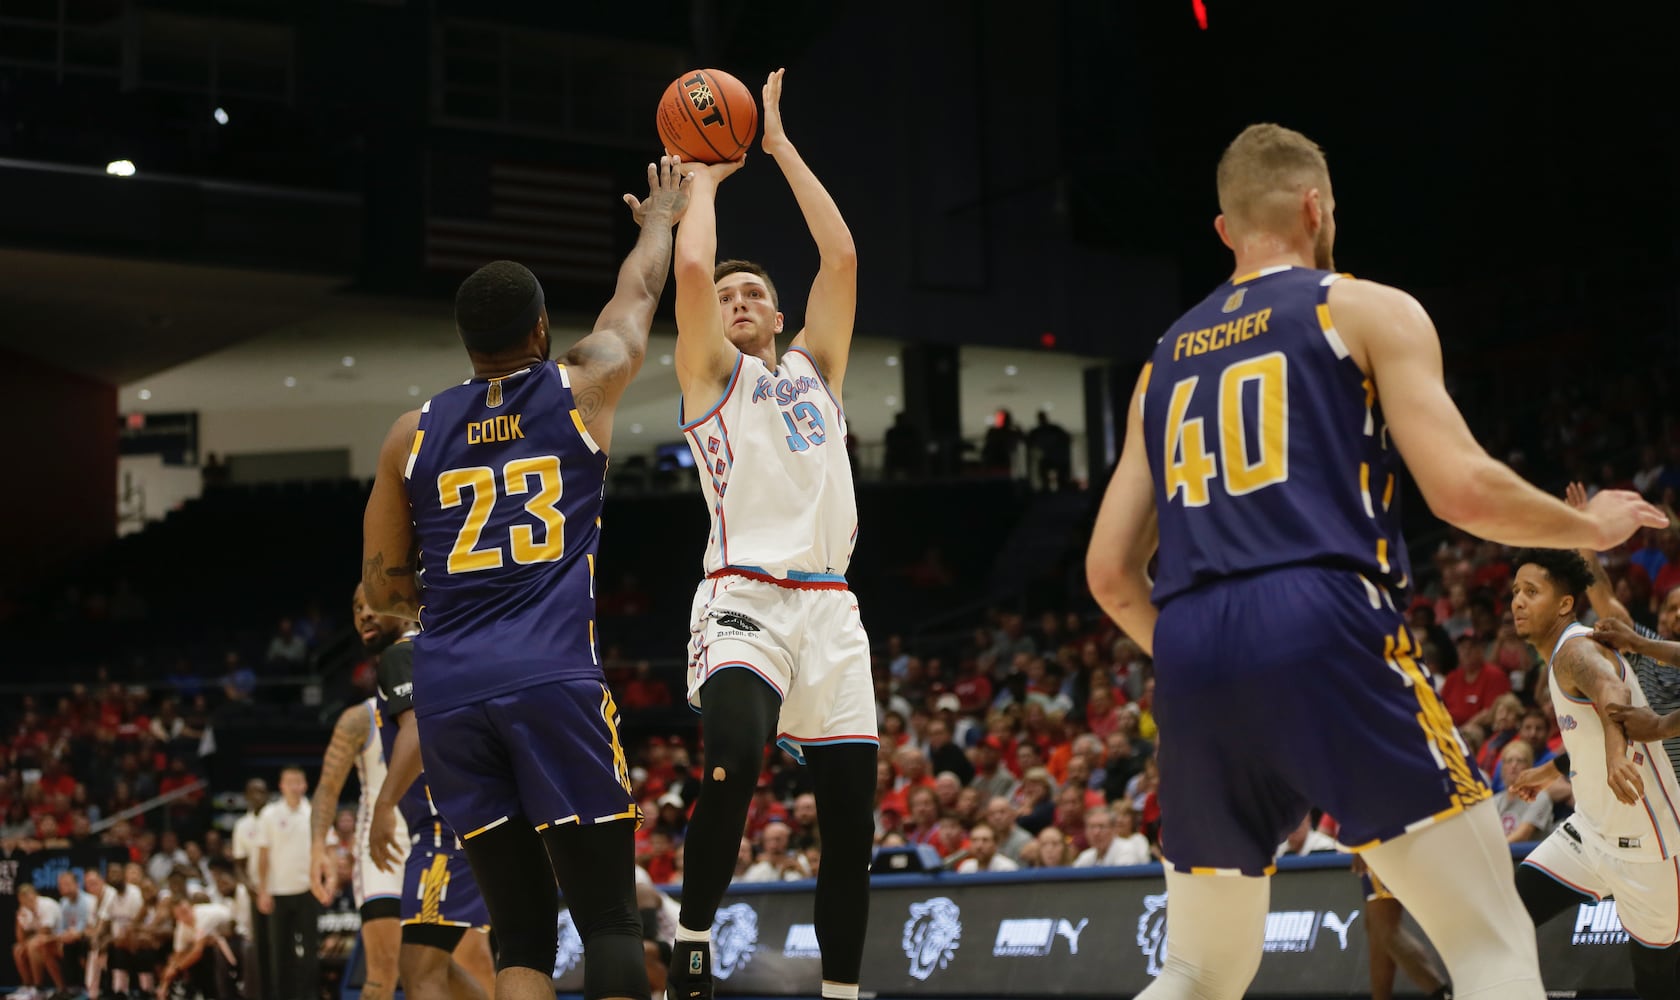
(771,454)
(505,485)
(1266,442)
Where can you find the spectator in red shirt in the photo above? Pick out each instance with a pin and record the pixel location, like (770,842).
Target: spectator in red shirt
(1470,690)
(763,809)
(923,827)
(646,691)
(912,774)
(1102,714)
(661,858)
(973,689)
(54,781)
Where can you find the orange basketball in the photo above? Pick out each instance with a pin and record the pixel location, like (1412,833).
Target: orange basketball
(707,116)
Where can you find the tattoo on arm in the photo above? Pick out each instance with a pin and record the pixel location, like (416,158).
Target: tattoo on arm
(396,582)
(350,732)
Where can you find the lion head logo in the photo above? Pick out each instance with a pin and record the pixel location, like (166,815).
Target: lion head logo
(931,935)
(734,939)
(571,946)
(1152,933)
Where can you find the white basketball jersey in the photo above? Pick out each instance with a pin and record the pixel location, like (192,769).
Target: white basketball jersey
(370,771)
(1649,829)
(773,467)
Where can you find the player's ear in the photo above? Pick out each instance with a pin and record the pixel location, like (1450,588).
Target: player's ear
(780,321)
(1224,234)
(1312,210)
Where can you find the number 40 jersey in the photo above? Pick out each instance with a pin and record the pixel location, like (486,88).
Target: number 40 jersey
(1266,442)
(505,485)
(771,453)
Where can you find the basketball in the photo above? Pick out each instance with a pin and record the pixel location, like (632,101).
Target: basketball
(707,116)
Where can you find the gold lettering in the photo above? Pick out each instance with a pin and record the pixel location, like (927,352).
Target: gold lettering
(1260,319)
(514,426)
(1179,345)
(473,436)
(502,428)
(1202,341)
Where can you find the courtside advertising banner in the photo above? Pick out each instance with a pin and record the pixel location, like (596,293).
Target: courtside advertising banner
(1084,933)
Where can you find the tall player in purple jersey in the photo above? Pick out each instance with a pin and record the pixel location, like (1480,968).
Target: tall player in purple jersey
(483,524)
(1262,453)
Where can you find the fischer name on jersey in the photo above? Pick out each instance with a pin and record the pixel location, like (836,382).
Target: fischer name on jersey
(771,453)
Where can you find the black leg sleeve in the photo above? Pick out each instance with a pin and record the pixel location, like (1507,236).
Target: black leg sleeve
(738,713)
(844,776)
(595,867)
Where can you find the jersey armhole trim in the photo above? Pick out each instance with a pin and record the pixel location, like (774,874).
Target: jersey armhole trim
(812,361)
(728,390)
(373,723)
(1325,323)
(419,436)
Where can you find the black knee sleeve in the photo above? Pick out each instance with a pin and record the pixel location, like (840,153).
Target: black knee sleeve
(384,908)
(844,780)
(738,717)
(1543,896)
(514,876)
(594,866)
(1656,971)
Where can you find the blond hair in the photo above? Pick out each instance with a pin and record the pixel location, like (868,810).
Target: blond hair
(1263,172)
(1518,748)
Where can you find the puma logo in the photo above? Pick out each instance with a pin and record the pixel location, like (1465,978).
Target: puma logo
(1334,924)
(1072,933)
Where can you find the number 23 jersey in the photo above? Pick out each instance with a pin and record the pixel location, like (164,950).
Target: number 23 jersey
(771,454)
(505,485)
(1266,442)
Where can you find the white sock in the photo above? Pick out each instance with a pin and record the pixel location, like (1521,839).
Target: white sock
(839,991)
(684,934)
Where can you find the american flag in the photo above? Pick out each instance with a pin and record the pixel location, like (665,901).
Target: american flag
(557,221)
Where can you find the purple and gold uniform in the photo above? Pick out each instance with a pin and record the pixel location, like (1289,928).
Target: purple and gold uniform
(1285,674)
(516,722)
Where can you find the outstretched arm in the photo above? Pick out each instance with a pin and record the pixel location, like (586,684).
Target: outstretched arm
(605,362)
(1126,535)
(1584,671)
(1600,594)
(390,553)
(1391,335)
(705,356)
(349,734)
(832,306)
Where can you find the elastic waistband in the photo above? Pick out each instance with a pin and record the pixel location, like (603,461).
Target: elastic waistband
(795,580)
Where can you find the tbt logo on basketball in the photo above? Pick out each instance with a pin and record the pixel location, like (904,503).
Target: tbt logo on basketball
(707,116)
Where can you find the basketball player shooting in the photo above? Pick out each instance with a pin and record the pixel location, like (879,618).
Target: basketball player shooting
(777,647)
(498,481)
(1263,447)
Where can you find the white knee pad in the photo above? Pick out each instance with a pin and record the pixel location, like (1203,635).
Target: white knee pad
(1216,931)
(1455,878)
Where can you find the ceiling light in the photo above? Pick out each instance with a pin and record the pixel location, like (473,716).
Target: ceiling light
(414,390)
(892,400)
(892,361)
(350,362)
(220,115)
(120,168)
(635,428)
(145,394)
(664,359)
(1011,370)
(289,382)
